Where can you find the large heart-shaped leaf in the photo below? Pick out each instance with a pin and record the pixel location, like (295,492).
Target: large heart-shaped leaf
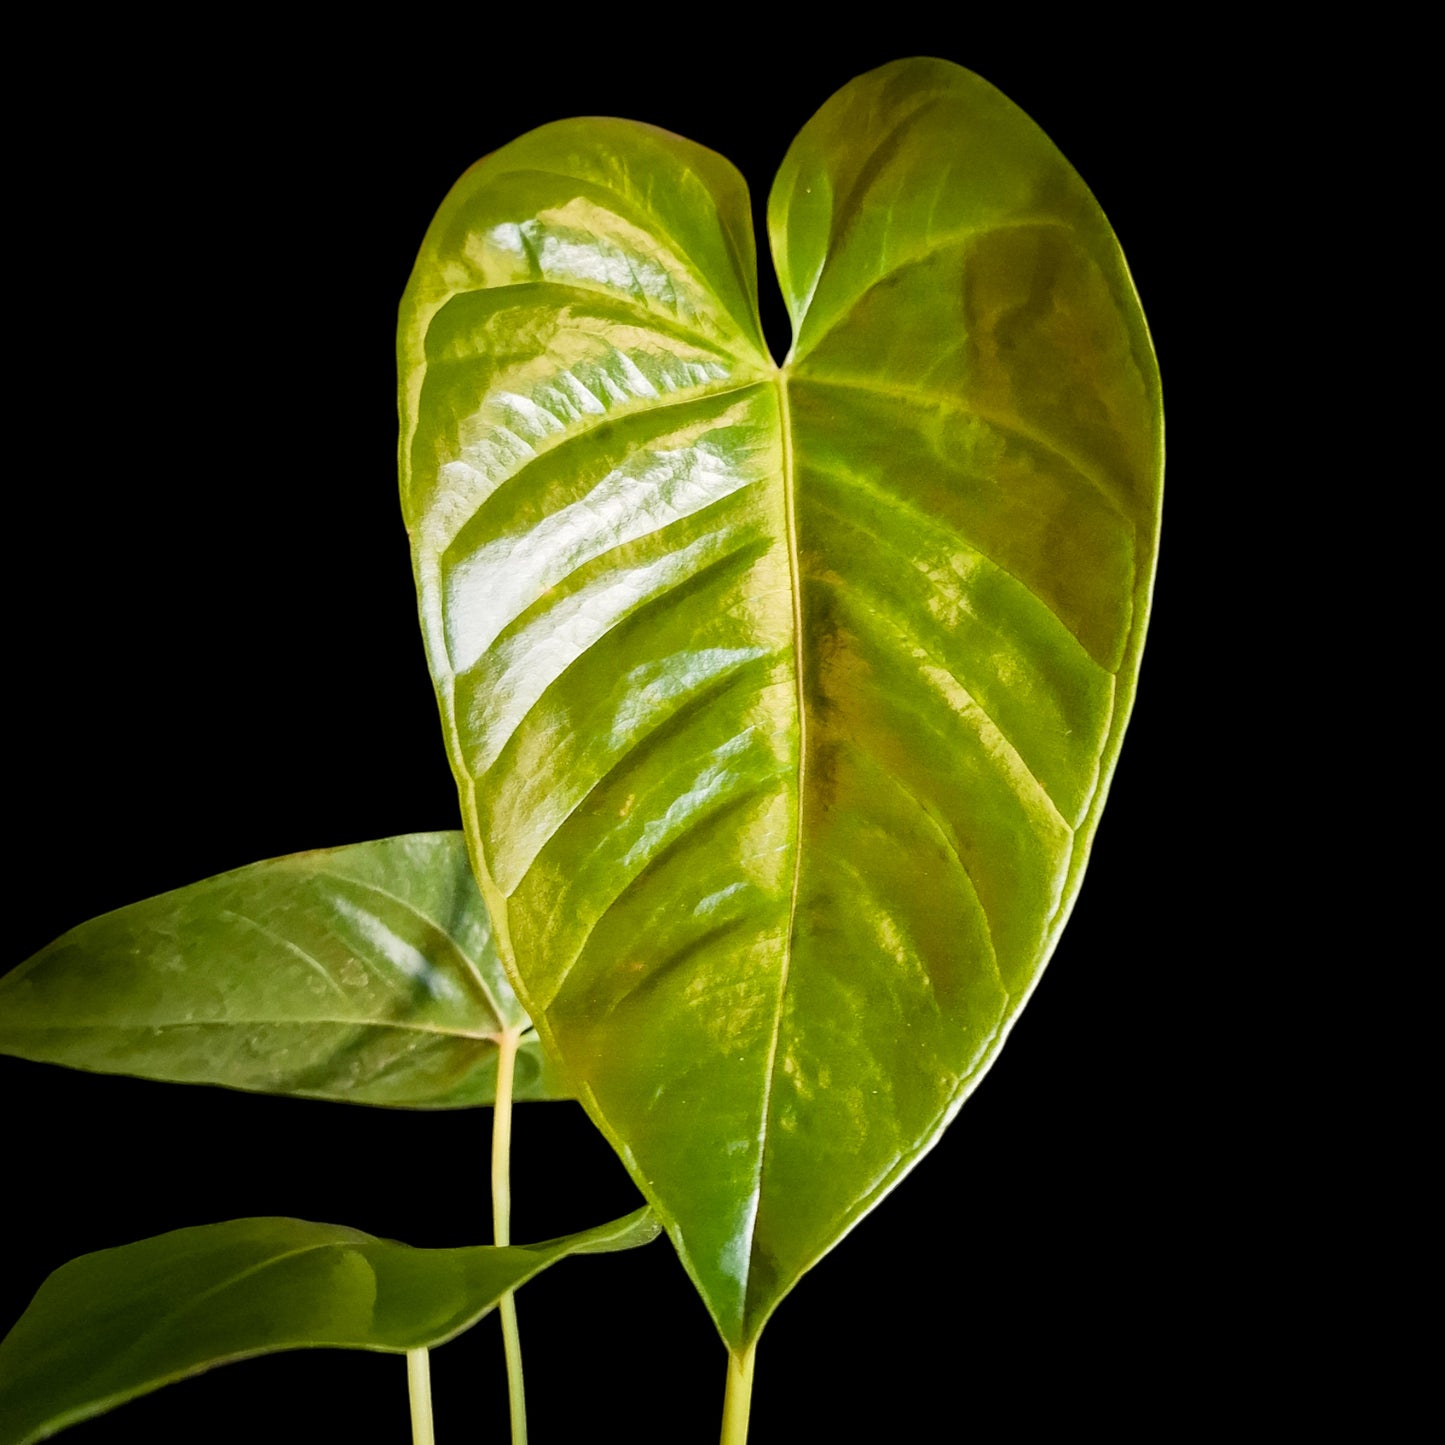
(121,1322)
(782,700)
(366,974)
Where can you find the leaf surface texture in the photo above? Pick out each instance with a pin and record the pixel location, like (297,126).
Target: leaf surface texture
(366,974)
(121,1322)
(782,700)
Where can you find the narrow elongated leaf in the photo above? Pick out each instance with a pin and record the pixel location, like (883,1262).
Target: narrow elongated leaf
(119,1323)
(782,700)
(365,973)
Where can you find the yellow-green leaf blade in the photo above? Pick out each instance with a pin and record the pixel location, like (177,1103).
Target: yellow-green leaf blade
(365,974)
(782,710)
(119,1323)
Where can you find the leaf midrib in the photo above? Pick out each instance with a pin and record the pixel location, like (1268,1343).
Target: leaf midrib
(248,1021)
(790,513)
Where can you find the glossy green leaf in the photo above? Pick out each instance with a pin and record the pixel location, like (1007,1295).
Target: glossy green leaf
(121,1322)
(782,700)
(366,974)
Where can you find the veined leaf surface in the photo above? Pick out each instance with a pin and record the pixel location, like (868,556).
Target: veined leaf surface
(366,974)
(121,1322)
(782,700)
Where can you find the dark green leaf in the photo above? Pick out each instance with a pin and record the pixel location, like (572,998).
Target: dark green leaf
(121,1322)
(782,700)
(366,974)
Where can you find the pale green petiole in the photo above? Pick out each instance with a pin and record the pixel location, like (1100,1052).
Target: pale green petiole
(739,1398)
(502,1224)
(418,1381)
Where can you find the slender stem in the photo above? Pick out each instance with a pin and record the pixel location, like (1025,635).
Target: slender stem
(418,1380)
(739,1399)
(502,1225)
(516,1391)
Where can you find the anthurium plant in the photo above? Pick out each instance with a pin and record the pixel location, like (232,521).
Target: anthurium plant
(782,699)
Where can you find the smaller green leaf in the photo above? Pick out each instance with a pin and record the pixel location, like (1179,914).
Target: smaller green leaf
(365,974)
(121,1322)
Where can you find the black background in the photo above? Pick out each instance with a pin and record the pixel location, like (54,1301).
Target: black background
(212,637)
